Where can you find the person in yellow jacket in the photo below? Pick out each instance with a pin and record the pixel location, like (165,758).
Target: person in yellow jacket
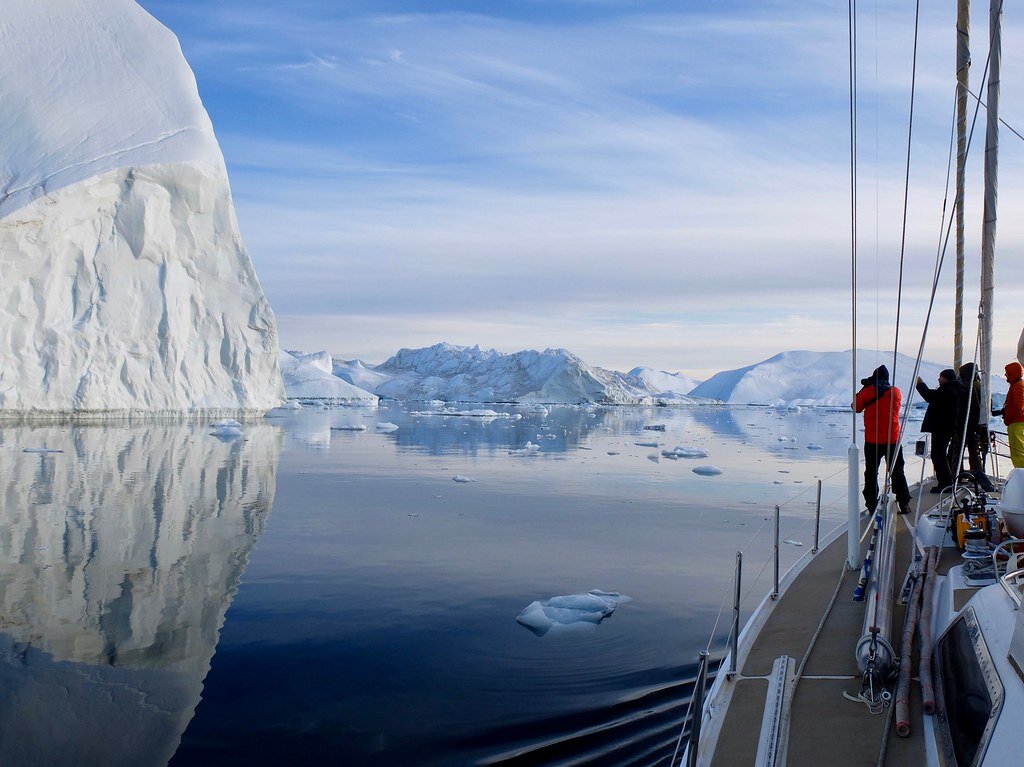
(1013,413)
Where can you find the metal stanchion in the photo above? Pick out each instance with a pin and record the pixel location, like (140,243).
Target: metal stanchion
(775,590)
(817,520)
(734,652)
(698,707)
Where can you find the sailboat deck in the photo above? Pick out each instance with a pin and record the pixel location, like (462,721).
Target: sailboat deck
(824,727)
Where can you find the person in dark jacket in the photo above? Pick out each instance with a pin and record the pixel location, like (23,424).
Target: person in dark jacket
(976,432)
(880,402)
(940,420)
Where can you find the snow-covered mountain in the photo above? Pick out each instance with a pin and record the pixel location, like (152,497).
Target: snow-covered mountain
(811,378)
(311,377)
(469,374)
(126,285)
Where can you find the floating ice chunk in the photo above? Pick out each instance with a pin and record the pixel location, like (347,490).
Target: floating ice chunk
(646,444)
(292,404)
(349,427)
(226,422)
(653,457)
(528,449)
(707,471)
(613,452)
(686,451)
(41,450)
(783,439)
(814,446)
(791,542)
(670,454)
(387,427)
(227,432)
(655,427)
(573,610)
(540,410)
(776,481)
(460,478)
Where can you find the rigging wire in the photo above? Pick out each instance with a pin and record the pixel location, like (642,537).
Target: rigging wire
(1013,130)
(852,22)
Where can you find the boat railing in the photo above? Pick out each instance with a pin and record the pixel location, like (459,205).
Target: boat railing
(1010,555)
(695,711)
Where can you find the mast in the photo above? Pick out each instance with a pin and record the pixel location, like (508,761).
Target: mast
(963,65)
(988,234)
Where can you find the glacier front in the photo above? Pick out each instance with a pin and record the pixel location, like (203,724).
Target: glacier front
(124,282)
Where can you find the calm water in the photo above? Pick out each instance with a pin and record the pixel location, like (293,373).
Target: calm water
(313,595)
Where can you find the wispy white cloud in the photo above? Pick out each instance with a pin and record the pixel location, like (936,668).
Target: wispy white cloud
(669,185)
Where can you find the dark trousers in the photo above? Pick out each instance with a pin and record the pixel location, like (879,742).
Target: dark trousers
(873,454)
(975,458)
(940,458)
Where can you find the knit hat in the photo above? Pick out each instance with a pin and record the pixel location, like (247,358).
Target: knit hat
(949,374)
(879,376)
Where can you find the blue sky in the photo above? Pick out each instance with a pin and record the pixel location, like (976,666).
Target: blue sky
(648,183)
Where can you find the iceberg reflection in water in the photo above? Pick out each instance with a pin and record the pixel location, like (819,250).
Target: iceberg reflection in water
(118,560)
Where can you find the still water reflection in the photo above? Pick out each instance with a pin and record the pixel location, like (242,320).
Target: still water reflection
(376,620)
(118,559)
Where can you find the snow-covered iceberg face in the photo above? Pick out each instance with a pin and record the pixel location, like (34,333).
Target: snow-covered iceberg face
(125,282)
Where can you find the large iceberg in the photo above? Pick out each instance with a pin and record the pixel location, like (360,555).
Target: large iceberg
(803,378)
(308,377)
(126,285)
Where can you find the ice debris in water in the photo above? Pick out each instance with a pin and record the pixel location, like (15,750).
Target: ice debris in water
(387,427)
(460,478)
(686,451)
(528,449)
(292,404)
(562,612)
(655,427)
(646,444)
(814,446)
(41,450)
(349,427)
(670,454)
(227,433)
(792,542)
(707,471)
(226,422)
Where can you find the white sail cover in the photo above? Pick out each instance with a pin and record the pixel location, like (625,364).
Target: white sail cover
(124,283)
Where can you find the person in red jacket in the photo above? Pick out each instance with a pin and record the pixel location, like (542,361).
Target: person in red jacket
(880,402)
(1013,413)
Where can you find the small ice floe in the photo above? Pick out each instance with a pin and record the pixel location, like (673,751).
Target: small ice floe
(707,471)
(226,422)
(41,450)
(349,427)
(528,449)
(387,427)
(814,446)
(654,427)
(227,433)
(792,542)
(653,457)
(670,454)
(539,410)
(783,439)
(572,611)
(647,444)
(460,478)
(687,451)
(613,452)
(292,404)
(776,481)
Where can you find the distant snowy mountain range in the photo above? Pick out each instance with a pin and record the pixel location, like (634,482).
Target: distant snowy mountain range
(556,376)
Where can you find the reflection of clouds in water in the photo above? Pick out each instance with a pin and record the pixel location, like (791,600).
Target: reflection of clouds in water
(118,559)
